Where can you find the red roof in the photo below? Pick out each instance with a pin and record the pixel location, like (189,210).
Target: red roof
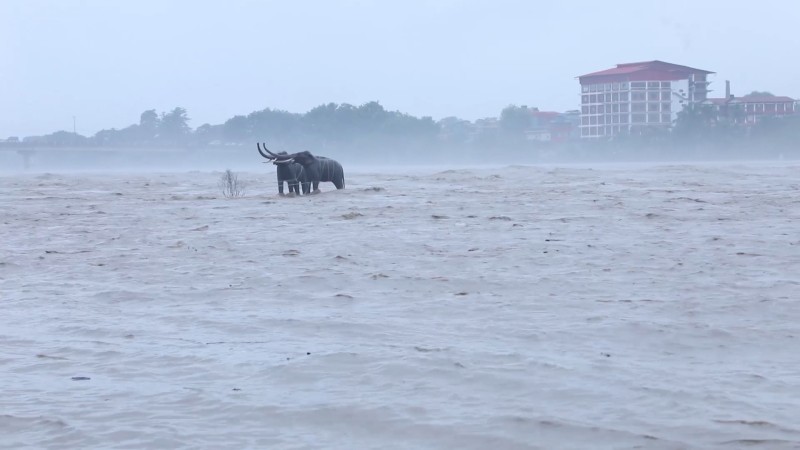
(764,99)
(643,71)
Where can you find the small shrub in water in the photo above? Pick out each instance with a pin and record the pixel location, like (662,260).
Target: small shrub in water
(230,185)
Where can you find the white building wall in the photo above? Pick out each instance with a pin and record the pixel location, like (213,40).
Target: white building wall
(611,109)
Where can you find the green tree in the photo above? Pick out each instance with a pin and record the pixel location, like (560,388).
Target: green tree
(236,129)
(271,125)
(761,94)
(455,130)
(321,120)
(148,125)
(515,120)
(206,134)
(695,121)
(174,126)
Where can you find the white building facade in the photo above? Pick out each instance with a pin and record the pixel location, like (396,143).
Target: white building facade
(636,98)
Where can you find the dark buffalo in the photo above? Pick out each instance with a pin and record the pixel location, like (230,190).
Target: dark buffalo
(316,168)
(293,175)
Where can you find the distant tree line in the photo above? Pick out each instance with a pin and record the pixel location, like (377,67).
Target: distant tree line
(370,126)
(328,123)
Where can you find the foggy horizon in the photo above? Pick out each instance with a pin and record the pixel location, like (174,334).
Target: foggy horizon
(104,64)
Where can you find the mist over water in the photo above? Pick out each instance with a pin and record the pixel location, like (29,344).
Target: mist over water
(246,158)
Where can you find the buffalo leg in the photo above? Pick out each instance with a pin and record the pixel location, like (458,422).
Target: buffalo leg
(294,187)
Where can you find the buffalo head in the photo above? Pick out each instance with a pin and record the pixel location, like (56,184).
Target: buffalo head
(303,158)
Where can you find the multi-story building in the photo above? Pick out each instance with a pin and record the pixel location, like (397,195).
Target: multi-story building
(632,98)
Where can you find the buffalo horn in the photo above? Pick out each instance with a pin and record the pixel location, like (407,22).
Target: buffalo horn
(262,153)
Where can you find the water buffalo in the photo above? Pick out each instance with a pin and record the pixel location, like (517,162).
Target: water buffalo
(293,175)
(316,168)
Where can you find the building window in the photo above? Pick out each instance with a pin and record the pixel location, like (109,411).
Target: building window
(584,99)
(600,109)
(637,118)
(593,109)
(615,97)
(614,86)
(615,119)
(623,96)
(637,96)
(623,118)
(585,88)
(608,87)
(666,85)
(666,96)
(585,121)
(638,85)
(653,118)
(770,107)
(584,110)
(666,107)
(608,98)
(615,108)
(760,107)
(638,107)
(653,85)
(652,107)
(623,107)
(593,120)
(653,96)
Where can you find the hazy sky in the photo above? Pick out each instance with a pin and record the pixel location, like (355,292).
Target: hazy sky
(105,61)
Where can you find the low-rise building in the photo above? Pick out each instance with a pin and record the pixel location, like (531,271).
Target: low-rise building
(752,108)
(551,126)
